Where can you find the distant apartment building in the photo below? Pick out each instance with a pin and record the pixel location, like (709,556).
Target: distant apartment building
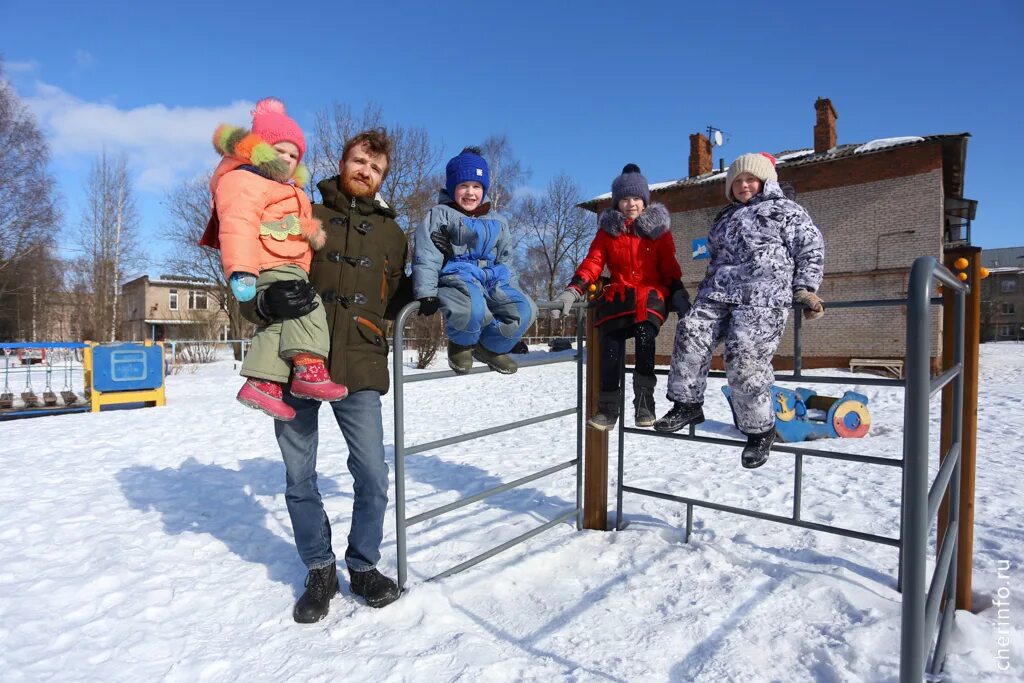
(172,307)
(1002,295)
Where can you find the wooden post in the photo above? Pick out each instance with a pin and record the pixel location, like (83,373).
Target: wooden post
(969,437)
(595,449)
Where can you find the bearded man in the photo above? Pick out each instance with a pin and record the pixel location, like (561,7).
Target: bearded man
(360,276)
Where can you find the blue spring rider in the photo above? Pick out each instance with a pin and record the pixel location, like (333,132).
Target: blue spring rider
(802,414)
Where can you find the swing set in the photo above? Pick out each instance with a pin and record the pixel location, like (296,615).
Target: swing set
(107,374)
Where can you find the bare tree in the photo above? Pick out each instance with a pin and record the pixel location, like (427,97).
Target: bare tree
(109,240)
(558,234)
(28,208)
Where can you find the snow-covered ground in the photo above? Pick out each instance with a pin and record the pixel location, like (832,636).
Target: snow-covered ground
(154,544)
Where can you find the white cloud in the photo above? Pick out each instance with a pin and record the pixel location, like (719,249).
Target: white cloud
(20,67)
(83,60)
(164,144)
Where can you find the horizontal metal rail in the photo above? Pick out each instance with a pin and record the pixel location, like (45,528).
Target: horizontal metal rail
(550,358)
(830,455)
(810,379)
(43,345)
(431,445)
(945,378)
(565,516)
(938,488)
(789,521)
(438,511)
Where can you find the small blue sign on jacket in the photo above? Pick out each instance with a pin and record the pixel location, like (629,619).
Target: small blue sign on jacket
(700,248)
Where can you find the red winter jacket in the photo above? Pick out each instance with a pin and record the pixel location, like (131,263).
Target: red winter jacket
(643,266)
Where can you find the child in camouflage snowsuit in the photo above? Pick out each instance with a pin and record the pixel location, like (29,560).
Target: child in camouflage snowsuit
(766,254)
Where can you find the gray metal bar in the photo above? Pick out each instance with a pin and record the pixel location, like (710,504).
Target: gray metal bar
(580,313)
(849,533)
(469,500)
(401,549)
(689,522)
(431,445)
(915,454)
(942,380)
(551,359)
(939,657)
(938,489)
(504,546)
(798,484)
(621,440)
(937,585)
(831,455)
(814,379)
(797,341)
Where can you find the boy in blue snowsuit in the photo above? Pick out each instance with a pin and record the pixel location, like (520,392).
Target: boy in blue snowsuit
(475,289)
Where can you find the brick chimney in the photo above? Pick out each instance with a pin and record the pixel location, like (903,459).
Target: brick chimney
(700,155)
(825,126)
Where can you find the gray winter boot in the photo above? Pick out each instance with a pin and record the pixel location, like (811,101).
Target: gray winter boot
(460,358)
(499,362)
(607,411)
(643,400)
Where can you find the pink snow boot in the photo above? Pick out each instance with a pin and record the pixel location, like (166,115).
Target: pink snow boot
(310,379)
(267,396)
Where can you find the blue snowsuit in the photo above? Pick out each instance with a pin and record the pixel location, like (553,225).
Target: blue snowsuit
(478,293)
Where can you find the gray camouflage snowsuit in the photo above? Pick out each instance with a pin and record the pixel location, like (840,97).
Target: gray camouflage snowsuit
(760,251)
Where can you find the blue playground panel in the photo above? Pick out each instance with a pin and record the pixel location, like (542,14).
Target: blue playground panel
(802,414)
(127,367)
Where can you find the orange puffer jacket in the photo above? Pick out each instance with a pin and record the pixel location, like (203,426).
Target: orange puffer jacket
(258,222)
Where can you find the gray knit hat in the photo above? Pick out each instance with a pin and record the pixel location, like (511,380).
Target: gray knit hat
(630,184)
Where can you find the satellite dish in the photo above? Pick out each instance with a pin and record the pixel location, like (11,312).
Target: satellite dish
(716,138)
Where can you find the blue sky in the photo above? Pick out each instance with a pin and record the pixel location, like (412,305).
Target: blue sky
(579,87)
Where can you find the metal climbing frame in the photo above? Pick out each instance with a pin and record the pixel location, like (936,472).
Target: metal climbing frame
(401,450)
(920,499)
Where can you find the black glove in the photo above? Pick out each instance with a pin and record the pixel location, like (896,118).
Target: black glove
(679,299)
(286,300)
(443,244)
(428,305)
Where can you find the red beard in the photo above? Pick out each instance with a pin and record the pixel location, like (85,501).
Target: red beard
(353,188)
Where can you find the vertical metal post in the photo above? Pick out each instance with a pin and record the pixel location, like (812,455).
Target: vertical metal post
(798,344)
(914,534)
(621,441)
(689,522)
(798,484)
(579,417)
(399,405)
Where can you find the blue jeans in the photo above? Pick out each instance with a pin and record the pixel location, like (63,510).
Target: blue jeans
(359,418)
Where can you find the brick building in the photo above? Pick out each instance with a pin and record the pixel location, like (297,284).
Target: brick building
(1002,295)
(878,204)
(171,307)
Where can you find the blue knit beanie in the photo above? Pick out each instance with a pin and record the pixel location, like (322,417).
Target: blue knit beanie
(630,184)
(468,166)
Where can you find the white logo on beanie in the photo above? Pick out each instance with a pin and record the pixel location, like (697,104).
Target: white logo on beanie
(480,172)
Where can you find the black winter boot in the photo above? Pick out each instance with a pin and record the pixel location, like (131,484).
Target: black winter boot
(679,416)
(460,358)
(755,453)
(643,400)
(321,585)
(377,589)
(607,411)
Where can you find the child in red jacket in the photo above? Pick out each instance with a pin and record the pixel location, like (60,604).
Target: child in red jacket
(634,241)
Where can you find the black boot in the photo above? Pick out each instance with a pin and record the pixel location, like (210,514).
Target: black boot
(607,411)
(682,414)
(377,589)
(321,585)
(755,453)
(643,400)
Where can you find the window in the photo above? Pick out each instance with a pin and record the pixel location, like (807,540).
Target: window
(1006,330)
(1007,308)
(196,299)
(1006,286)
(172,302)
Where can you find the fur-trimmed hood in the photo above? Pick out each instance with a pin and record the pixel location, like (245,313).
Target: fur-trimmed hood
(654,222)
(250,149)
